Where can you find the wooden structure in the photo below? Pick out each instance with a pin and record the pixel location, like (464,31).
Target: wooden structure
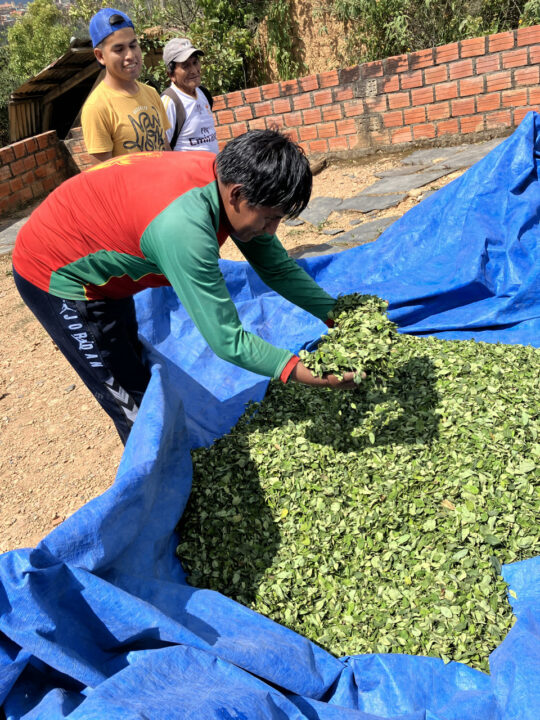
(53,98)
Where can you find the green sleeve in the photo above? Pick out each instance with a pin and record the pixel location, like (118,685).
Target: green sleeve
(281,273)
(182,242)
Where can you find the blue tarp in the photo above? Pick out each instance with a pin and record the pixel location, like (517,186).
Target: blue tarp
(97,621)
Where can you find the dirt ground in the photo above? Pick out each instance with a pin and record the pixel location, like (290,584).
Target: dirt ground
(58,448)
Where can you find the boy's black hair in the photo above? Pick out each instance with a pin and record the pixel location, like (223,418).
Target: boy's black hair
(272,169)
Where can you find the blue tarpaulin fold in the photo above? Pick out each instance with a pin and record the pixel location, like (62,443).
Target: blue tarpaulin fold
(98,622)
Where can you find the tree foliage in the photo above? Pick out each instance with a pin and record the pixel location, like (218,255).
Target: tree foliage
(37,38)
(377,29)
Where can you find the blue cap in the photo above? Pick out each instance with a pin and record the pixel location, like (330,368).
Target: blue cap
(105,22)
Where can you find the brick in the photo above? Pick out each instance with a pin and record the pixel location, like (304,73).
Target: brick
(363,141)
(17,167)
(527,76)
(534,96)
(328,78)
(472,124)
(335,112)
(7,204)
(398,100)
(29,162)
(446,91)
(219,103)
(488,63)
(305,147)
(5,173)
(49,183)
(234,99)
(411,80)
(422,96)
(461,69)
(225,117)
(289,87)
(375,104)
(390,84)
(323,97)
(275,122)
(15,185)
(380,138)
(243,113)
(491,101)
(446,53)
(349,75)
(421,59)
(252,95)
(341,94)
(402,135)
(223,132)
(43,140)
(270,91)
(338,143)
(293,119)
(6,155)
(528,35)
(38,189)
(292,133)
(346,127)
(514,98)
(44,170)
(396,64)
(308,133)
(437,74)
(424,131)
(501,41)
(498,119)
(471,86)
(519,113)
(312,116)
(239,129)
(318,146)
(414,115)
(261,109)
(498,81)
(5,189)
(282,105)
(438,111)
(354,108)
(447,127)
(463,107)
(257,124)
(393,119)
(310,82)
(19,149)
(534,54)
(372,69)
(221,145)
(327,130)
(514,58)
(472,47)
(31,145)
(302,102)
(25,195)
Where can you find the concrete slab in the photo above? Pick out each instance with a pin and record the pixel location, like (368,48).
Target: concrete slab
(335,231)
(293,222)
(367,203)
(401,170)
(367,232)
(430,156)
(319,209)
(8,235)
(404,183)
(312,249)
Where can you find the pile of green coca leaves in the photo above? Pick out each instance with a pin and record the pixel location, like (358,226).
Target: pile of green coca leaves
(377,520)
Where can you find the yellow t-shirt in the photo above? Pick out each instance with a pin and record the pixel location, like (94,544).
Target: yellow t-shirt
(114,120)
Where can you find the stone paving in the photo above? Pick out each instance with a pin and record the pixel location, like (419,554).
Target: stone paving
(417,170)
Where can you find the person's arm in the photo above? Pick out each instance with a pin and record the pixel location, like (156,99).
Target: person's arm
(96,133)
(182,242)
(100,157)
(281,273)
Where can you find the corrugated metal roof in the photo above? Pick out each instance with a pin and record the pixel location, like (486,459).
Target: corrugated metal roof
(80,56)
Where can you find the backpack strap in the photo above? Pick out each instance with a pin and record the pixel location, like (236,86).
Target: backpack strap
(180,114)
(208,95)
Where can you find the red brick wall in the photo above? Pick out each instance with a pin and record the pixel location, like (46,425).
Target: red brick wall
(481,87)
(470,89)
(30,169)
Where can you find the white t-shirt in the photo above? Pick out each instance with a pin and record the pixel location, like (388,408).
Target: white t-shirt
(198,131)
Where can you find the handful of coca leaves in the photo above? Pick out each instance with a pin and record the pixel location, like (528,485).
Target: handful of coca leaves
(360,341)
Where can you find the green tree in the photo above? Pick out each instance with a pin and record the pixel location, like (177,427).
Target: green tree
(37,38)
(8,82)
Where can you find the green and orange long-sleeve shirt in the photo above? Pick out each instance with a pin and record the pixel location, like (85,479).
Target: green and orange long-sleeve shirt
(151,219)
